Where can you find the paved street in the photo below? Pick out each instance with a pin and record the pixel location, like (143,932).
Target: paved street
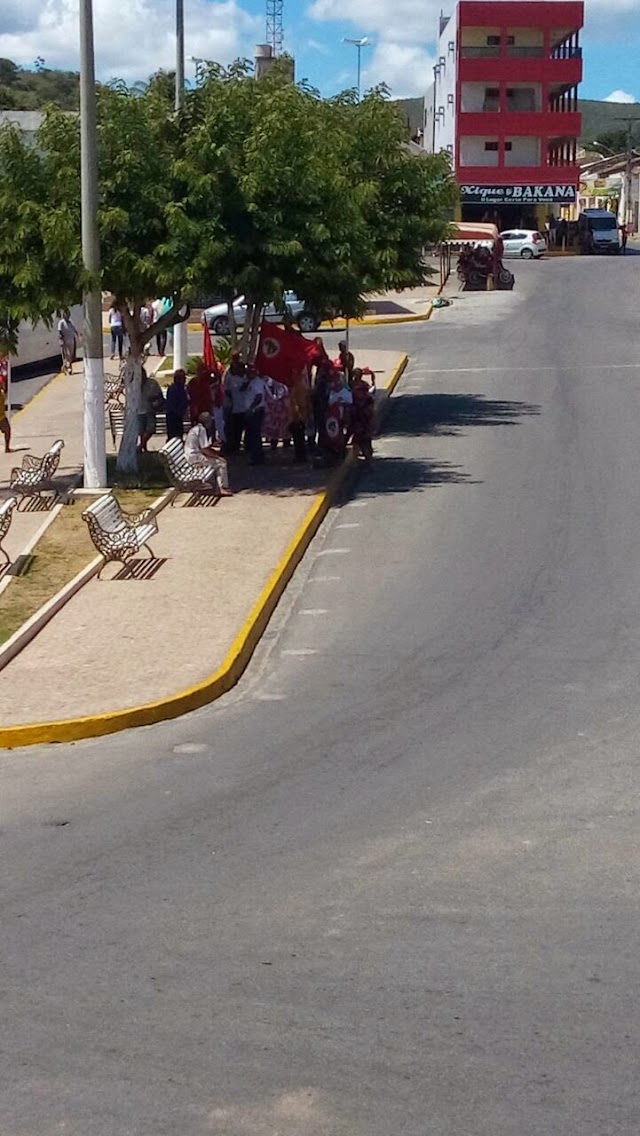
(389,885)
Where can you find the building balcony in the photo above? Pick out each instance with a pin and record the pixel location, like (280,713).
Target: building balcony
(494,69)
(568,174)
(543,123)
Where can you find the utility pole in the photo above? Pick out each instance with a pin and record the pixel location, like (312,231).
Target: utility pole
(180,329)
(358,44)
(95,462)
(628,177)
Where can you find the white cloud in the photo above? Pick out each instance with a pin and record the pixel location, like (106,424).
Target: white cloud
(133,38)
(620,97)
(404,67)
(404,31)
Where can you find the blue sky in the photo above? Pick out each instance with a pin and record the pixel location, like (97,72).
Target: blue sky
(135,37)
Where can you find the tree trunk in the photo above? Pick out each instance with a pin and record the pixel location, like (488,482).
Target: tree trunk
(255,332)
(128,453)
(233,330)
(246,331)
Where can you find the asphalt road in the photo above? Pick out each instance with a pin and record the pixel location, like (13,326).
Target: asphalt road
(389,885)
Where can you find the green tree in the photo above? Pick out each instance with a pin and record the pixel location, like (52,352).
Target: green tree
(255,186)
(317,195)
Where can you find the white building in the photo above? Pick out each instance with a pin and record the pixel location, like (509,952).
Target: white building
(440,101)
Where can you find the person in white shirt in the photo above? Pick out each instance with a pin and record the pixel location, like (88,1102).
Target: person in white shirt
(116,327)
(199,452)
(68,336)
(235,403)
(256,399)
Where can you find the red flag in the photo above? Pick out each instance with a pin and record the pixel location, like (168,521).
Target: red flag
(282,354)
(208,354)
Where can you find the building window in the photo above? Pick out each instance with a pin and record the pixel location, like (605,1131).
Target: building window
(507,146)
(490,146)
(493,41)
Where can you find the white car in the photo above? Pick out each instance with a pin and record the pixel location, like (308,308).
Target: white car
(525,243)
(217,316)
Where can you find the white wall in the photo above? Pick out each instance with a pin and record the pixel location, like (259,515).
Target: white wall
(473,153)
(472,96)
(523,152)
(445,90)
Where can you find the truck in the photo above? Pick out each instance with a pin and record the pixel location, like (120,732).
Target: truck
(598,231)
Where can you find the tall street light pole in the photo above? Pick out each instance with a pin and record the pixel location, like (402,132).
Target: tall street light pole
(95,462)
(358,44)
(628,178)
(180,329)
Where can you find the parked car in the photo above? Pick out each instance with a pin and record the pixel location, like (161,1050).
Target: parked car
(217,316)
(526,243)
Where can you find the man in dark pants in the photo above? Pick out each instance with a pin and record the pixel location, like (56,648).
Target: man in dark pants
(256,387)
(301,412)
(235,403)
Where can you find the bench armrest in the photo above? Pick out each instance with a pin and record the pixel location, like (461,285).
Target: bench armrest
(143,518)
(29,461)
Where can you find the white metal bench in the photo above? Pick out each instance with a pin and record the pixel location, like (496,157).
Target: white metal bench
(118,535)
(184,476)
(6,514)
(114,414)
(35,475)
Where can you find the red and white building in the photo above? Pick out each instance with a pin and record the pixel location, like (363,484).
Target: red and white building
(504,104)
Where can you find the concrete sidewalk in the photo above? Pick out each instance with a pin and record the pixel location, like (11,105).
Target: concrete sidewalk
(125,642)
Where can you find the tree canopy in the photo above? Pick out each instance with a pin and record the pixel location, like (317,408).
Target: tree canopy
(255,186)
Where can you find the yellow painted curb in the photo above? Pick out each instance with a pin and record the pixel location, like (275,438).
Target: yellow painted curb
(236,660)
(396,375)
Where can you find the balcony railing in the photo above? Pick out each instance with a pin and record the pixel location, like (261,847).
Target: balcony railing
(566,52)
(486,52)
(533,51)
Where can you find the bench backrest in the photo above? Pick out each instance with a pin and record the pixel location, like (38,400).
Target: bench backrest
(173,453)
(106,513)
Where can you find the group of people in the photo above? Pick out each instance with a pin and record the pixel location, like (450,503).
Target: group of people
(149,313)
(328,405)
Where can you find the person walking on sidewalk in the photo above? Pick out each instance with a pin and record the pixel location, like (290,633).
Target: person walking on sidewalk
(116,327)
(5,425)
(68,336)
(199,452)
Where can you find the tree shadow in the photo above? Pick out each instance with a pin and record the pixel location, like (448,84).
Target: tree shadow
(415,414)
(388,475)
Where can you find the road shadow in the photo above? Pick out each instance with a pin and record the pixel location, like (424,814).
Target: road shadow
(387,475)
(413,414)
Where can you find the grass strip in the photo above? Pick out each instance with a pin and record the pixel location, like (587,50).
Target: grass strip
(63,551)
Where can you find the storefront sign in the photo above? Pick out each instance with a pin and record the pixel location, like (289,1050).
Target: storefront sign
(517,194)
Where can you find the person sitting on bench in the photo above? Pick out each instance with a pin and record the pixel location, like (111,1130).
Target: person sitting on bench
(199,452)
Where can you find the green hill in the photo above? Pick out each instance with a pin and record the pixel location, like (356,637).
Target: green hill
(600,118)
(30,90)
